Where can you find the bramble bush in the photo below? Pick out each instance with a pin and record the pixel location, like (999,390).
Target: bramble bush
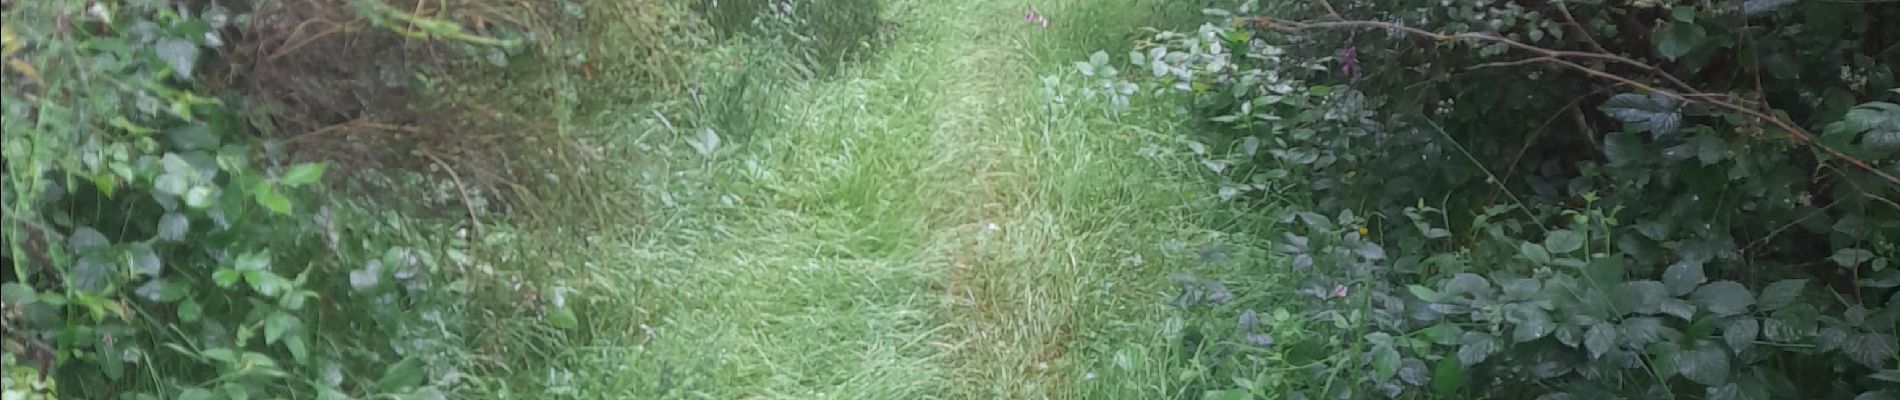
(1560,200)
(156,248)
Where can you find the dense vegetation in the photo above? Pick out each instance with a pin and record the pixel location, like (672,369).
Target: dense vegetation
(987,199)
(1551,199)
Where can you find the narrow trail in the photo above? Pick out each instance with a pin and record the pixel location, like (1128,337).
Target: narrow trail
(922,226)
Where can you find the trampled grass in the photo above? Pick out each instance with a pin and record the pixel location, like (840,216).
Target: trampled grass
(925,224)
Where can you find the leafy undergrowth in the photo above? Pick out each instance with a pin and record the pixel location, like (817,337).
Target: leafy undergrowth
(1535,200)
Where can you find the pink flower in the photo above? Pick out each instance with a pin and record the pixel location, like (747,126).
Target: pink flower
(1030,17)
(1349,62)
(1339,291)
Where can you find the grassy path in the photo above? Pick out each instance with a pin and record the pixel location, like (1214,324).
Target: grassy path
(921,227)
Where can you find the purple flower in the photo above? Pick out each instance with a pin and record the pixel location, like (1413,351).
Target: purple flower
(1030,16)
(1349,62)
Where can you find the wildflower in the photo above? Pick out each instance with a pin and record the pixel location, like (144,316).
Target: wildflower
(1339,291)
(1349,62)
(1364,230)
(1034,18)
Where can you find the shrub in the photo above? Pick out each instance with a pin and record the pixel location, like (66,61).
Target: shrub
(1563,199)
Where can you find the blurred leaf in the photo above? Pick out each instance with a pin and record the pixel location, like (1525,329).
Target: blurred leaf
(1781,294)
(180,54)
(403,375)
(1682,278)
(1385,362)
(1678,39)
(1705,364)
(303,174)
(273,199)
(1656,113)
(1563,241)
(1724,298)
(563,318)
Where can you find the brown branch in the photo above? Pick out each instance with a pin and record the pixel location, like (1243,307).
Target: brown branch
(1563,58)
(1577,29)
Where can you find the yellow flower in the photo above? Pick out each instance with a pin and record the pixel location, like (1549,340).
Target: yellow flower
(1364,231)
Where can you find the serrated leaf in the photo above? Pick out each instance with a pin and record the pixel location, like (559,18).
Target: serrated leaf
(1600,339)
(1781,294)
(1705,364)
(303,174)
(1641,331)
(1873,350)
(1683,277)
(1563,241)
(1723,298)
(1474,347)
(1656,113)
(1741,333)
(1644,297)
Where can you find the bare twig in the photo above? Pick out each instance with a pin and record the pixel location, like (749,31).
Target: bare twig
(1577,29)
(1564,58)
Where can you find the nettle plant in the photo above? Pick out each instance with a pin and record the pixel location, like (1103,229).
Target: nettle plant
(1569,199)
(153,250)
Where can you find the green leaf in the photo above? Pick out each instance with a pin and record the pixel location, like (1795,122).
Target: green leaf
(1641,331)
(1710,148)
(278,324)
(1235,394)
(1780,294)
(1600,339)
(178,53)
(198,197)
(253,261)
(173,226)
(1385,362)
(1448,378)
(271,198)
(1741,333)
(1850,257)
(1706,364)
(563,318)
(1474,347)
(1643,297)
(303,174)
(1624,148)
(1873,350)
(1678,39)
(190,311)
(298,350)
(1534,252)
(1724,298)
(1423,293)
(1563,241)
(403,375)
(226,277)
(1758,7)
(1659,114)
(196,394)
(1683,277)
